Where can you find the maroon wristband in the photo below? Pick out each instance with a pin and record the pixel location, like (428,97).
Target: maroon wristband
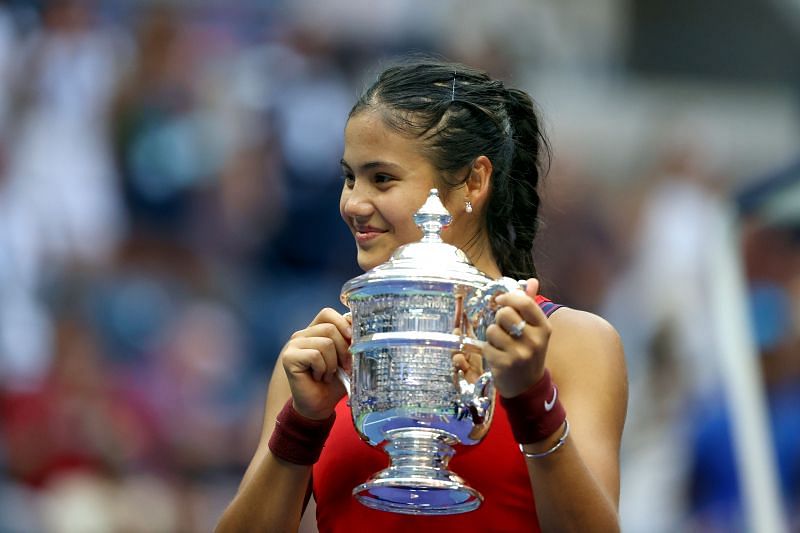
(537,413)
(297,439)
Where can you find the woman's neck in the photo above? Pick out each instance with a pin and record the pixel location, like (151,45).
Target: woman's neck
(481,256)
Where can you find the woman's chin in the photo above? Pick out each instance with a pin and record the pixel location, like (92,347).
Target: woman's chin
(368,261)
(367,265)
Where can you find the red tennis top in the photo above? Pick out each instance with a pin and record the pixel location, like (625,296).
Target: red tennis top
(495,467)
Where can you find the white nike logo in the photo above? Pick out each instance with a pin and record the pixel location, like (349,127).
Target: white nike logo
(548,406)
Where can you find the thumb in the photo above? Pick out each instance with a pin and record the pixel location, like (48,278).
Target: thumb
(532,287)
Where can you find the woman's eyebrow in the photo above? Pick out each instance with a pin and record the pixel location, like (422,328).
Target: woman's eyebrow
(371,164)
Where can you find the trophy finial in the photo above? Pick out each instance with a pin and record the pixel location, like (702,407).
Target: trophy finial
(432,218)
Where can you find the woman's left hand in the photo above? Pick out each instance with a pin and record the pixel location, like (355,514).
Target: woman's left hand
(517,362)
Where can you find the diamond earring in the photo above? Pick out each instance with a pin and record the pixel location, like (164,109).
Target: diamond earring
(468,207)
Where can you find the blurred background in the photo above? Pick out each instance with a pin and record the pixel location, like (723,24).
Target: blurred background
(169,215)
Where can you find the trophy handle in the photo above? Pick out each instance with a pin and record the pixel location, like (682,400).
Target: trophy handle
(344,378)
(340,373)
(476,398)
(481,307)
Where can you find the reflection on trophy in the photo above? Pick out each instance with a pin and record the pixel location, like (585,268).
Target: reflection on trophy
(411,316)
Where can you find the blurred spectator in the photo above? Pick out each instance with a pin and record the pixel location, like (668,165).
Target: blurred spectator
(60,175)
(158,141)
(653,304)
(76,421)
(59,204)
(311,111)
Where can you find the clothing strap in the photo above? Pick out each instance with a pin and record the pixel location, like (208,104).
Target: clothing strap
(549,307)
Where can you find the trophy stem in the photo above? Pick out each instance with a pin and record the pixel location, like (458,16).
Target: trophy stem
(418,480)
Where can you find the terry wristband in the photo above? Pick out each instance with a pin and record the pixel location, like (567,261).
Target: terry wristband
(297,439)
(537,413)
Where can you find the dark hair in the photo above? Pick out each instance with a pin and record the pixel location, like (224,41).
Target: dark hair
(462,114)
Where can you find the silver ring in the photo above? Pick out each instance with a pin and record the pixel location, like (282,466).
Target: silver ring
(517,329)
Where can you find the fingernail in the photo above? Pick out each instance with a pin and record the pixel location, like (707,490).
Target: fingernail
(349,332)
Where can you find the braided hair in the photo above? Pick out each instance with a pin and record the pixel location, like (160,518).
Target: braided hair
(462,114)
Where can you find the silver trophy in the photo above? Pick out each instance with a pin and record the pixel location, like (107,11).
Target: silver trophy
(411,315)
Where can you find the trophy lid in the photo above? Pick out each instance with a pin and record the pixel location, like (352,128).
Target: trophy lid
(429,260)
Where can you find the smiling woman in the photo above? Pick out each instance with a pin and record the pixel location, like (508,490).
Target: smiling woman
(386,179)
(420,126)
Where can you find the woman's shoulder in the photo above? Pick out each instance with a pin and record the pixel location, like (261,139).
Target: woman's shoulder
(582,326)
(585,347)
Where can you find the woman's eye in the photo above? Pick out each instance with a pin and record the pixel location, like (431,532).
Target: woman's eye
(348,179)
(382,178)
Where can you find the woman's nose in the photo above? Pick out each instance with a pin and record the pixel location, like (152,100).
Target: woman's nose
(357,203)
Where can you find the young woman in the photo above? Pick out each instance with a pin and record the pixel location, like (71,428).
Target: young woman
(423,125)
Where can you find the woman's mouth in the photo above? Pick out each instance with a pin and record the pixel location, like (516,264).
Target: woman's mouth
(366,234)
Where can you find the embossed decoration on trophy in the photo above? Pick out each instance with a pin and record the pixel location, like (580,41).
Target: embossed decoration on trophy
(410,316)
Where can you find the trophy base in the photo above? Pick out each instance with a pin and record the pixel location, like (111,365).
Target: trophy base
(418,497)
(418,481)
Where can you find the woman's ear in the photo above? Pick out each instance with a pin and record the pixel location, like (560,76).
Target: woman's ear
(479,181)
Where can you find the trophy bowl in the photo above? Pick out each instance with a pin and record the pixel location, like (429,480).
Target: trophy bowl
(411,315)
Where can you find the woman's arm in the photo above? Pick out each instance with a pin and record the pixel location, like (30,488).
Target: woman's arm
(272,492)
(576,487)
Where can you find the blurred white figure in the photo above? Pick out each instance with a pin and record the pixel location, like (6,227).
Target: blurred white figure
(60,173)
(658,307)
(59,202)
(312,111)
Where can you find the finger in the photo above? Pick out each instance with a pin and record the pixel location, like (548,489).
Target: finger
(331,316)
(327,351)
(495,356)
(460,362)
(330,331)
(532,287)
(531,334)
(305,361)
(508,318)
(524,305)
(499,338)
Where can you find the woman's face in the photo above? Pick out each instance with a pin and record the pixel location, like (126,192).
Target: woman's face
(386,179)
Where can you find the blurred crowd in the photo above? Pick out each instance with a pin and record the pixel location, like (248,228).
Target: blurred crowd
(169,185)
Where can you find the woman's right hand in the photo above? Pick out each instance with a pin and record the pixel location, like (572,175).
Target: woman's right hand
(310,360)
